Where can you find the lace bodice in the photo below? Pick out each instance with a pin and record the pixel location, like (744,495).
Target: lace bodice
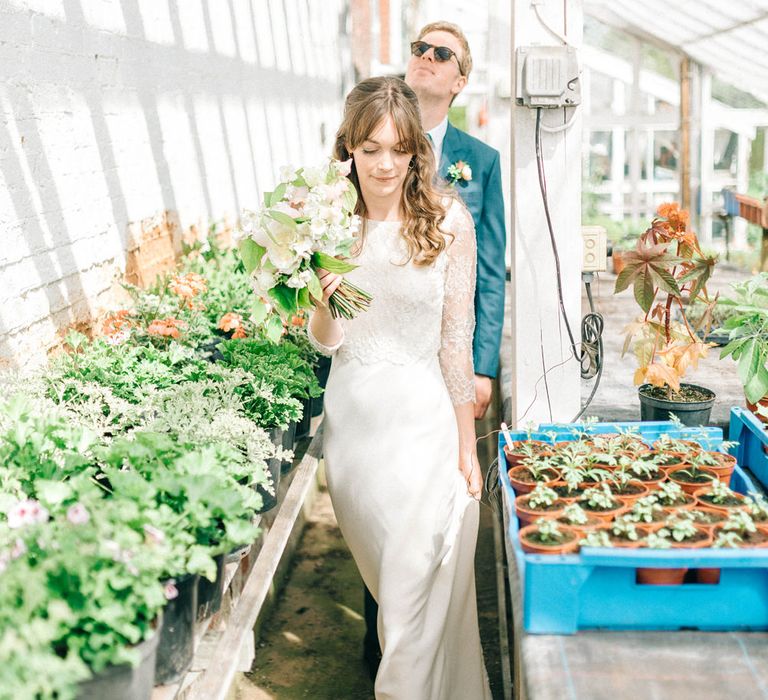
(416,312)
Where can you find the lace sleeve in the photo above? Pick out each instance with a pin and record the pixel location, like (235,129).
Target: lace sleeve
(324,349)
(458,322)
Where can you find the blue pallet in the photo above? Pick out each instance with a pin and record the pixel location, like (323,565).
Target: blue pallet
(750,433)
(596,588)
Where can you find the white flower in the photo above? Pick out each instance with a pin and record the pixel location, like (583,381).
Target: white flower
(19,549)
(299,280)
(263,280)
(287,173)
(154,534)
(28,512)
(284,259)
(466,172)
(77,514)
(313,176)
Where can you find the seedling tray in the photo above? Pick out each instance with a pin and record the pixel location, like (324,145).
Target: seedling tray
(752,450)
(597,587)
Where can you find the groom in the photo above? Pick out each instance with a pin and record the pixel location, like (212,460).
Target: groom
(437,72)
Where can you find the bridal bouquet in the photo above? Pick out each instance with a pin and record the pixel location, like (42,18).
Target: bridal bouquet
(307,223)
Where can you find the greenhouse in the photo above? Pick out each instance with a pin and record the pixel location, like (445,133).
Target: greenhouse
(383,349)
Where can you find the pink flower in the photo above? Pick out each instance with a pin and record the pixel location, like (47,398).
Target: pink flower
(28,512)
(171,591)
(78,514)
(344,167)
(154,535)
(19,549)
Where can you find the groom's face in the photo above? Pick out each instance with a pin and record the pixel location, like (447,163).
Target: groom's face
(433,79)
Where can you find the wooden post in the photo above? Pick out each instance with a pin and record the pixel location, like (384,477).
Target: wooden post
(685,132)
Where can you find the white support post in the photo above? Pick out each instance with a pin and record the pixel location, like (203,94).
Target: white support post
(634,136)
(546,382)
(618,153)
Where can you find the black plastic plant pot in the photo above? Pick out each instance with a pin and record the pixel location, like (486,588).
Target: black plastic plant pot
(177,639)
(210,593)
(690,413)
(269,500)
(289,442)
(125,682)
(303,426)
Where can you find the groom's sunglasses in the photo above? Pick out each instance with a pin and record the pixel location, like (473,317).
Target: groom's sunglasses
(442,53)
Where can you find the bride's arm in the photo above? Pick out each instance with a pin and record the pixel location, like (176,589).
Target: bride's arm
(325,332)
(458,326)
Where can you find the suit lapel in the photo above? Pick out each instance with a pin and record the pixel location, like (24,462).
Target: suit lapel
(451,150)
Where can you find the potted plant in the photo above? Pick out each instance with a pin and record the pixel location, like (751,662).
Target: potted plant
(667,270)
(542,501)
(748,340)
(600,502)
(718,495)
(659,576)
(672,497)
(693,476)
(548,537)
(648,512)
(623,532)
(626,488)
(596,538)
(532,470)
(576,517)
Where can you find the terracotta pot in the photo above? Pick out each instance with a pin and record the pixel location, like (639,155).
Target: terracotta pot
(691,487)
(569,547)
(606,515)
(690,502)
(725,468)
(592,524)
(721,514)
(630,498)
(652,482)
(617,259)
(705,541)
(708,575)
(700,493)
(526,514)
(763,403)
(676,460)
(691,443)
(521,486)
(660,577)
(565,493)
(514,458)
(628,544)
(762,529)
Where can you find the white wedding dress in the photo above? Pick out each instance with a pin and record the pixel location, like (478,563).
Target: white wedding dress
(391,453)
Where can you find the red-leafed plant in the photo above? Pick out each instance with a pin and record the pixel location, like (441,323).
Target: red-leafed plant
(667,270)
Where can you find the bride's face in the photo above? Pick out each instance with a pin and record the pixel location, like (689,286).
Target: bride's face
(381,162)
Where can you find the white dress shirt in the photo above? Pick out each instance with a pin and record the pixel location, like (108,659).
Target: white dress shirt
(437,135)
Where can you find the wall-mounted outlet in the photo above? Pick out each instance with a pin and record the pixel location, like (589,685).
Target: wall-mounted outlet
(595,248)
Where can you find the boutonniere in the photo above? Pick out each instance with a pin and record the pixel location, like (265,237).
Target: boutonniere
(459,171)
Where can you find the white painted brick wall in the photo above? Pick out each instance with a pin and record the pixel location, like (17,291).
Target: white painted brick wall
(112,112)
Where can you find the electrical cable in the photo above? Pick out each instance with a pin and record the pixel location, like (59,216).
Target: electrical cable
(590,357)
(546,25)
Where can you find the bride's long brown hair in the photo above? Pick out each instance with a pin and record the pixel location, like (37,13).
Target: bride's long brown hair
(367,104)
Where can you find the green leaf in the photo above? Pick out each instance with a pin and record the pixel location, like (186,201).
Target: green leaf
(757,387)
(274,329)
(251,254)
(314,286)
(625,278)
(644,291)
(282,218)
(303,299)
(331,264)
(749,362)
(349,201)
(665,280)
(75,340)
(285,298)
(278,194)
(259,312)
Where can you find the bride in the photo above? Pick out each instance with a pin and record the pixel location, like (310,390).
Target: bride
(399,437)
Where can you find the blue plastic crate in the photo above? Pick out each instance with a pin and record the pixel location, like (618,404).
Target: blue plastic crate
(596,588)
(752,437)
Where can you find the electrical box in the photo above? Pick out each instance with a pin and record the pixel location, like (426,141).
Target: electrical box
(547,76)
(595,249)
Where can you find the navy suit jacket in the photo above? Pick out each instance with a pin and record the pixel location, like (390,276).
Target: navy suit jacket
(483,197)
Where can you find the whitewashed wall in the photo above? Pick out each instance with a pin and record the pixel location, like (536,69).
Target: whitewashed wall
(119,118)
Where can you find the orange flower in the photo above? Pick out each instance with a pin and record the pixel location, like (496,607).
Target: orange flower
(230,321)
(188,286)
(166,328)
(677,218)
(239,333)
(299,320)
(116,323)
